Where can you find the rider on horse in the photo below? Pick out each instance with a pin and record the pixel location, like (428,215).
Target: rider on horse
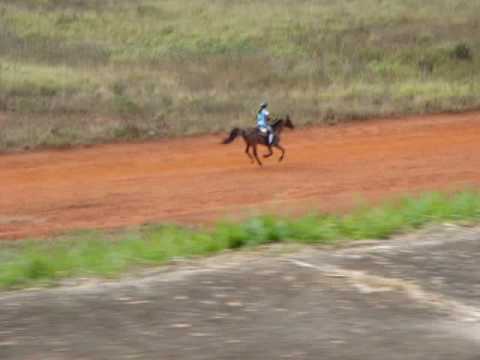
(262,122)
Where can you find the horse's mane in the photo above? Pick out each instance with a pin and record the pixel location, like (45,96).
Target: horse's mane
(276,122)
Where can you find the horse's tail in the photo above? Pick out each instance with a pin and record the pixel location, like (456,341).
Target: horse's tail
(233,134)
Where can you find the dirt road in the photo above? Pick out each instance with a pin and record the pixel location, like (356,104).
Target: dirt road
(196,179)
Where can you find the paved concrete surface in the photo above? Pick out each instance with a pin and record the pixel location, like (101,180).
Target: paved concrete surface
(415,297)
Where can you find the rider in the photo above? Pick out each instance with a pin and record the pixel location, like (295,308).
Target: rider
(263,116)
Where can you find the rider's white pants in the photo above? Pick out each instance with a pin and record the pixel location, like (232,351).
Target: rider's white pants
(268,129)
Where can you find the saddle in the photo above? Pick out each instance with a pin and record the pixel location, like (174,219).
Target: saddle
(265,133)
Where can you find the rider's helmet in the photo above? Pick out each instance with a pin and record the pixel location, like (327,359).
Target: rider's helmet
(263,105)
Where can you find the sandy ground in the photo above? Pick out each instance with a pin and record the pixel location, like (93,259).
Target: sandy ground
(197,180)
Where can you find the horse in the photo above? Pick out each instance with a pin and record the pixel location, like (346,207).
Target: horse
(253,137)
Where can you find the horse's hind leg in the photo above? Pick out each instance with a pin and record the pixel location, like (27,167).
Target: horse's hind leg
(282,150)
(247,151)
(256,155)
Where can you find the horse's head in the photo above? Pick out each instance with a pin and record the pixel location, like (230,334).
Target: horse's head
(280,123)
(289,123)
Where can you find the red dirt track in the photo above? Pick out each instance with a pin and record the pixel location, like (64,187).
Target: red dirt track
(196,180)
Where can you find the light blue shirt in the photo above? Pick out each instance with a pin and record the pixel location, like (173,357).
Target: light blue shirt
(262,118)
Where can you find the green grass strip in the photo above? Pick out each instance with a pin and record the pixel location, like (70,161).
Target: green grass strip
(108,254)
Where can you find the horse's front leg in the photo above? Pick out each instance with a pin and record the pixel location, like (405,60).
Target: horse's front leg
(282,150)
(270,152)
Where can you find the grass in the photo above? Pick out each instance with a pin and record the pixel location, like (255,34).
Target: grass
(109,254)
(166,68)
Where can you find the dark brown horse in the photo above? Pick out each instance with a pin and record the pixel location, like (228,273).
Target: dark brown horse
(253,137)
